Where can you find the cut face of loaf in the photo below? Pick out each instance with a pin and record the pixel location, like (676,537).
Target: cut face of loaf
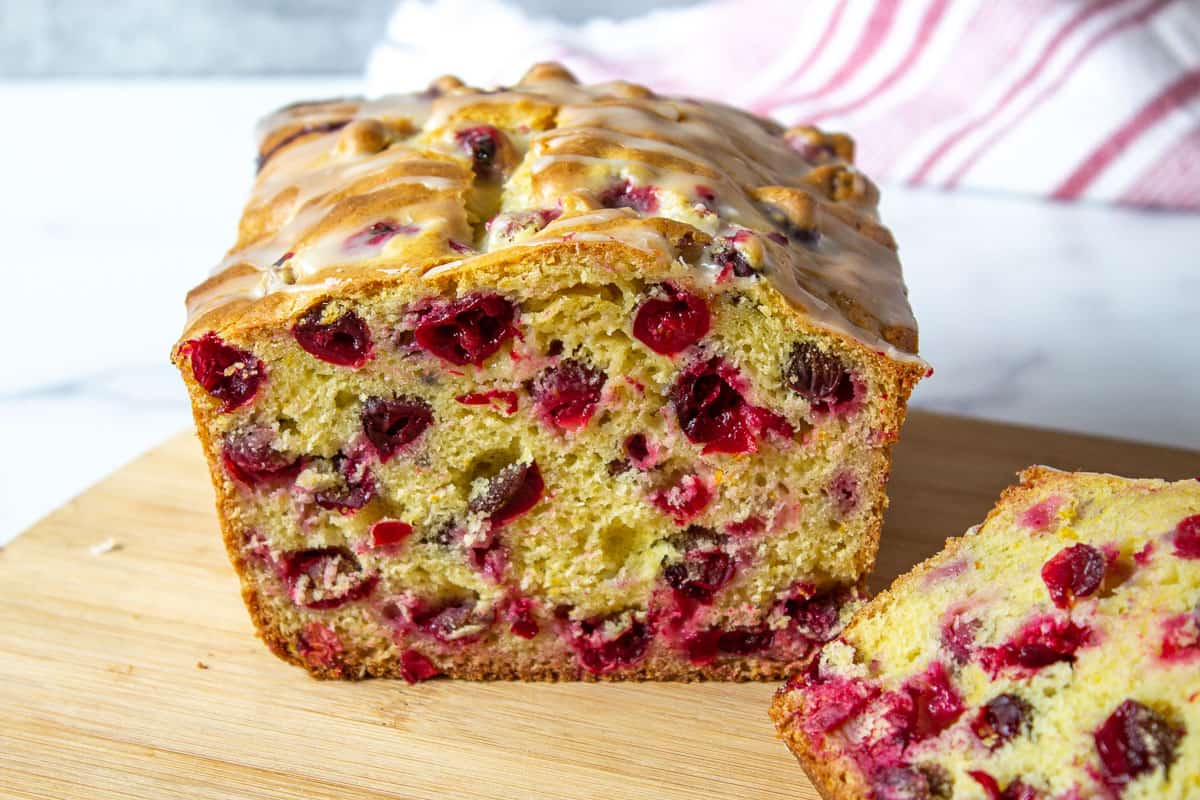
(579,440)
(1052,653)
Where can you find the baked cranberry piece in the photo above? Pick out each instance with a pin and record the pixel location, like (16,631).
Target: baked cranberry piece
(958,637)
(377,234)
(390,533)
(673,322)
(1187,537)
(637,447)
(700,574)
(392,424)
(510,493)
(731,260)
(817,617)
(318,645)
(453,622)
(713,413)
(599,655)
(415,667)
(643,199)
(325,577)
(1042,642)
(507,397)
(1181,637)
(745,641)
(843,492)
(1134,740)
(818,377)
(936,703)
(344,340)
(467,330)
(684,500)
(521,618)
(830,702)
(1017,790)
(250,458)
(1040,515)
(228,373)
(1000,719)
(356,489)
(482,144)
(900,783)
(566,395)
(1074,572)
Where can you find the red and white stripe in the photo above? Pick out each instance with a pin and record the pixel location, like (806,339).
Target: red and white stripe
(1068,99)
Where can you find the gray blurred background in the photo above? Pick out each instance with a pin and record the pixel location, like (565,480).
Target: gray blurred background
(217,38)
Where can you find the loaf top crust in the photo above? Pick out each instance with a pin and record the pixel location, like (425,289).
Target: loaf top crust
(354,193)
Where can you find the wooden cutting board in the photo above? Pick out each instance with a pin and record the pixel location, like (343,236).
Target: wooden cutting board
(135,673)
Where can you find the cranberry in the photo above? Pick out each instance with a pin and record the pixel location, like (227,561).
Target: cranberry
(1076,571)
(745,641)
(643,199)
(713,413)
(1040,515)
(1000,719)
(788,230)
(701,646)
(1181,637)
(684,500)
(458,622)
(467,330)
(481,143)
(831,702)
(989,784)
(507,397)
(843,492)
(730,259)
(1042,642)
(747,527)
(508,226)
(1187,537)
(391,425)
(415,667)
(600,655)
(936,703)
(900,783)
(818,377)
(510,493)
(228,373)
(318,644)
(1135,740)
(638,450)
(459,247)
(817,617)
(390,533)
(958,637)
(345,341)
(377,234)
(325,577)
(250,458)
(520,615)
(673,322)
(356,489)
(567,394)
(700,575)
(489,560)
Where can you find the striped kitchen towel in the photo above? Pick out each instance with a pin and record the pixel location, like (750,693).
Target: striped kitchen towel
(1070,99)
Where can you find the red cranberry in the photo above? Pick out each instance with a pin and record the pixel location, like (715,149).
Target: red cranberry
(510,493)
(520,615)
(250,458)
(684,500)
(507,397)
(318,645)
(713,413)
(229,374)
(1076,571)
(1135,740)
(900,783)
(567,394)
(818,377)
(325,577)
(390,533)
(936,703)
(843,492)
(599,655)
(747,527)
(415,667)
(958,637)
(672,323)
(1187,537)
(786,229)
(454,622)
(817,617)
(1181,637)
(638,450)
(391,425)
(345,341)
(1042,642)
(828,703)
(989,784)
(1000,719)
(701,646)
(490,560)
(508,226)
(643,199)
(468,330)
(731,260)
(700,574)
(1040,515)
(745,641)
(356,489)
(481,143)
(377,234)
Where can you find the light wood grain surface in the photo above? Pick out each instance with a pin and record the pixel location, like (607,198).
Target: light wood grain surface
(135,674)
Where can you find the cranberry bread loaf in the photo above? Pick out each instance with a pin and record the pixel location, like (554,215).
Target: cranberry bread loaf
(550,382)
(1052,652)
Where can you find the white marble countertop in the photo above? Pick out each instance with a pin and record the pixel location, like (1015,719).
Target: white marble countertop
(120,196)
